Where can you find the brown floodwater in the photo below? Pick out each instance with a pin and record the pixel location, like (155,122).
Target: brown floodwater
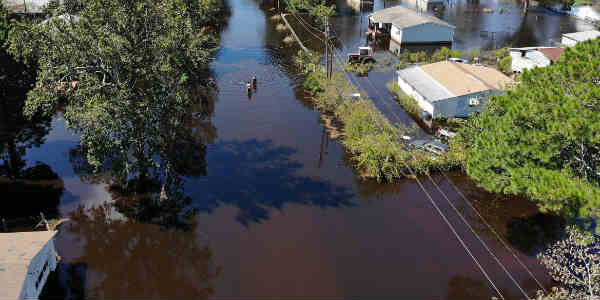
(278,209)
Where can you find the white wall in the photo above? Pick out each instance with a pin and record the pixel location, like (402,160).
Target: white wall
(585,12)
(407,89)
(427,33)
(46,257)
(568,42)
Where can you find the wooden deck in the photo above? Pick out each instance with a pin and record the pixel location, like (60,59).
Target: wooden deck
(26,259)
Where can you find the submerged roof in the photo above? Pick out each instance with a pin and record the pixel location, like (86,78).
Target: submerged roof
(403,17)
(583,35)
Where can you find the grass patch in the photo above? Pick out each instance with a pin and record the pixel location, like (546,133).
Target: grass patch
(361,69)
(408,103)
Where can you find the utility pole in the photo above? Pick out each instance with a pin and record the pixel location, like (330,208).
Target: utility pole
(278,10)
(327,45)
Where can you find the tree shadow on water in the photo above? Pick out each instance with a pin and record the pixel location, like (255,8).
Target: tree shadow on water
(534,233)
(255,176)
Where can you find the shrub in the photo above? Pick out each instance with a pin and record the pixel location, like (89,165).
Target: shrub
(359,68)
(307,61)
(505,64)
(408,103)
(314,81)
(441,54)
(475,53)
(420,56)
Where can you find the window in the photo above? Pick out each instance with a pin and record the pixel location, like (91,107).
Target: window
(473,101)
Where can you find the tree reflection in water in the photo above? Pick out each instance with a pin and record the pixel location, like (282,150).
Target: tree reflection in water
(38,188)
(117,258)
(146,177)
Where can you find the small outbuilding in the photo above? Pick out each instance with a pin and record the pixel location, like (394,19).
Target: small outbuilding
(407,26)
(571,39)
(452,89)
(531,57)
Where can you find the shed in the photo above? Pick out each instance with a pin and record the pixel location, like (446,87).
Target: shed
(410,27)
(451,89)
(571,39)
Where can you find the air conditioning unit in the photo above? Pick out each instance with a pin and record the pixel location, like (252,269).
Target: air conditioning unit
(474,101)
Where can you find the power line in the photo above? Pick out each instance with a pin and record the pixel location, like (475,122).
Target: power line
(450,226)
(493,230)
(456,210)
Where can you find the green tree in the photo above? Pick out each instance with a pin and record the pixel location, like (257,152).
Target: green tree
(318,9)
(542,139)
(125,72)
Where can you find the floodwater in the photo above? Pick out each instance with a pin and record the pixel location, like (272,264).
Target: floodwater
(275,208)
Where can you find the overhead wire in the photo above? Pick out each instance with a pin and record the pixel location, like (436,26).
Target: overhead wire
(452,228)
(305,25)
(458,212)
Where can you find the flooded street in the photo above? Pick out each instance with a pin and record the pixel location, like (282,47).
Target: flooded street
(275,208)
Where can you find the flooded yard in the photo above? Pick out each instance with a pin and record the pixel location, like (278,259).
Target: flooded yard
(274,207)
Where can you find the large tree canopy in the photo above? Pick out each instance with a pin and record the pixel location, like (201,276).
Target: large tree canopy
(126,73)
(543,138)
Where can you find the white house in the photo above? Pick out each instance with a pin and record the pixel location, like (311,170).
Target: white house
(451,89)
(571,39)
(531,57)
(586,12)
(410,27)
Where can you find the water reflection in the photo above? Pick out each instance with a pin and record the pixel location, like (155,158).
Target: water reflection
(36,186)
(146,178)
(257,175)
(108,257)
(463,287)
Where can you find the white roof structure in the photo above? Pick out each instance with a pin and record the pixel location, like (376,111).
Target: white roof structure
(26,259)
(532,58)
(403,17)
(582,35)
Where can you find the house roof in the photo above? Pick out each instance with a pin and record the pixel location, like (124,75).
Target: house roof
(583,35)
(430,89)
(552,53)
(532,58)
(403,17)
(461,79)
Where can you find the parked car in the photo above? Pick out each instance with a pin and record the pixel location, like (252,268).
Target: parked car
(434,146)
(459,60)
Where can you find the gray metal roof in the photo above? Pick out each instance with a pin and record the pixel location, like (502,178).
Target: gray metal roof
(583,35)
(403,17)
(426,86)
